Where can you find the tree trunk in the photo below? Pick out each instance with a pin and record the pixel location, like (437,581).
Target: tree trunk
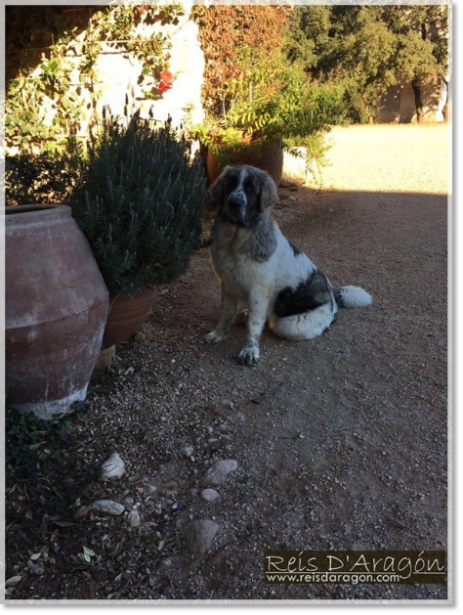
(418,102)
(441,113)
(417,87)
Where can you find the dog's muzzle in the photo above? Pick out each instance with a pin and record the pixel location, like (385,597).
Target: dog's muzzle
(236,205)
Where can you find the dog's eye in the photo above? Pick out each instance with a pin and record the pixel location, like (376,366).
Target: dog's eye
(249,185)
(231,182)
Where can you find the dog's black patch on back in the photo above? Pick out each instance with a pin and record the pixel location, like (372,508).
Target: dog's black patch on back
(310,294)
(296,250)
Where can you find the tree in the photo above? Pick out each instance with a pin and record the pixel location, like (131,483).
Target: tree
(366,49)
(430,24)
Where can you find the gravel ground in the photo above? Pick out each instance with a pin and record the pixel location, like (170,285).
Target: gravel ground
(340,443)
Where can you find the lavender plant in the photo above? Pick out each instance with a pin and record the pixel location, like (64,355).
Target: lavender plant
(140,204)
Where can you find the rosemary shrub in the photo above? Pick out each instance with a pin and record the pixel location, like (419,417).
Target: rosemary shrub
(139,203)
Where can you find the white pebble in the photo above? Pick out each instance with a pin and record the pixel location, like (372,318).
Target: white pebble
(13,580)
(219,471)
(134,518)
(108,507)
(113,468)
(209,495)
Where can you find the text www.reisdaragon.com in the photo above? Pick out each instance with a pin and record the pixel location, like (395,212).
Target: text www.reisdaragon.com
(352,579)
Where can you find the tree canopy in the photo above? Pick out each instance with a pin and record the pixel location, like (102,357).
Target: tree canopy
(366,49)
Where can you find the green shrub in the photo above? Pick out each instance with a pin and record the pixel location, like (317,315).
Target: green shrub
(139,202)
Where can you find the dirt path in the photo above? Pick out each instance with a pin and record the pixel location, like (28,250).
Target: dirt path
(341,441)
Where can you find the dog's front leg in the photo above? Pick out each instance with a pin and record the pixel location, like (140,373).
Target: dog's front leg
(228,309)
(257,316)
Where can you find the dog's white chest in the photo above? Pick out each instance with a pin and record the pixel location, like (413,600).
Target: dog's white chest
(237,271)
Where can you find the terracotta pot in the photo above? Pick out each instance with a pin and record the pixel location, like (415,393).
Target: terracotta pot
(268,158)
(127,315)
(56,309)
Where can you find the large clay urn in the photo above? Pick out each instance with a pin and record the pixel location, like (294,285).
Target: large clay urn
(56,310)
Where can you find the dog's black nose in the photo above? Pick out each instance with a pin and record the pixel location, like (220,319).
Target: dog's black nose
(236,205)
(237,199)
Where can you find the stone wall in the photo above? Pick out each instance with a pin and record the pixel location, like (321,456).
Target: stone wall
(397,105)
(29,35)
(118,75)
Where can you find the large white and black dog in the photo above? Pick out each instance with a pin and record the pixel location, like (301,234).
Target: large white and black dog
(256,264)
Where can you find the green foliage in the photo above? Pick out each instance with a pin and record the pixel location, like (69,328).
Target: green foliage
(58,99)
(46,471)
(36,448)
(139,203)
(233,39)
(366,49)
(42,178)
(273,106)
(264,99)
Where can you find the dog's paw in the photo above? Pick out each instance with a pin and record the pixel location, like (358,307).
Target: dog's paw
(214,337)
(249,355)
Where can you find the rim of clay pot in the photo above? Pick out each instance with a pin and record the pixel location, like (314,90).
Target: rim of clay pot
(23,209)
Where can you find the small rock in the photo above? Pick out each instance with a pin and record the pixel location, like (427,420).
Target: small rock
(226,403)
(225,429)
(237,417)
(35,556)
(134,518)
(13,580)
(150,487)
(139,336)
(219,471)
(200,534)
(188,450)
(37,569)
(113,468)
(108,507)
(209,495)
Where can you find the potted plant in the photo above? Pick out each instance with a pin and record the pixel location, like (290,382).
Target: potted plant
(268,108)
(139,202)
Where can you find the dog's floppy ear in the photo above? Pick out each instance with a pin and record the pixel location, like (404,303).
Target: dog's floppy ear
(216,191)
(268,191)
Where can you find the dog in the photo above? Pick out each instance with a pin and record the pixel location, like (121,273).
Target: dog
(256,264)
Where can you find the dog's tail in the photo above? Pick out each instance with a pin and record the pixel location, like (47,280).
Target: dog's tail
(352,297)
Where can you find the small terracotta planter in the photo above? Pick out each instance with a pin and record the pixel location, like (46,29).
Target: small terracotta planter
(127,315)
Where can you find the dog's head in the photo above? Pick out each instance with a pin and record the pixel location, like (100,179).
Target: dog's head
(242,193)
